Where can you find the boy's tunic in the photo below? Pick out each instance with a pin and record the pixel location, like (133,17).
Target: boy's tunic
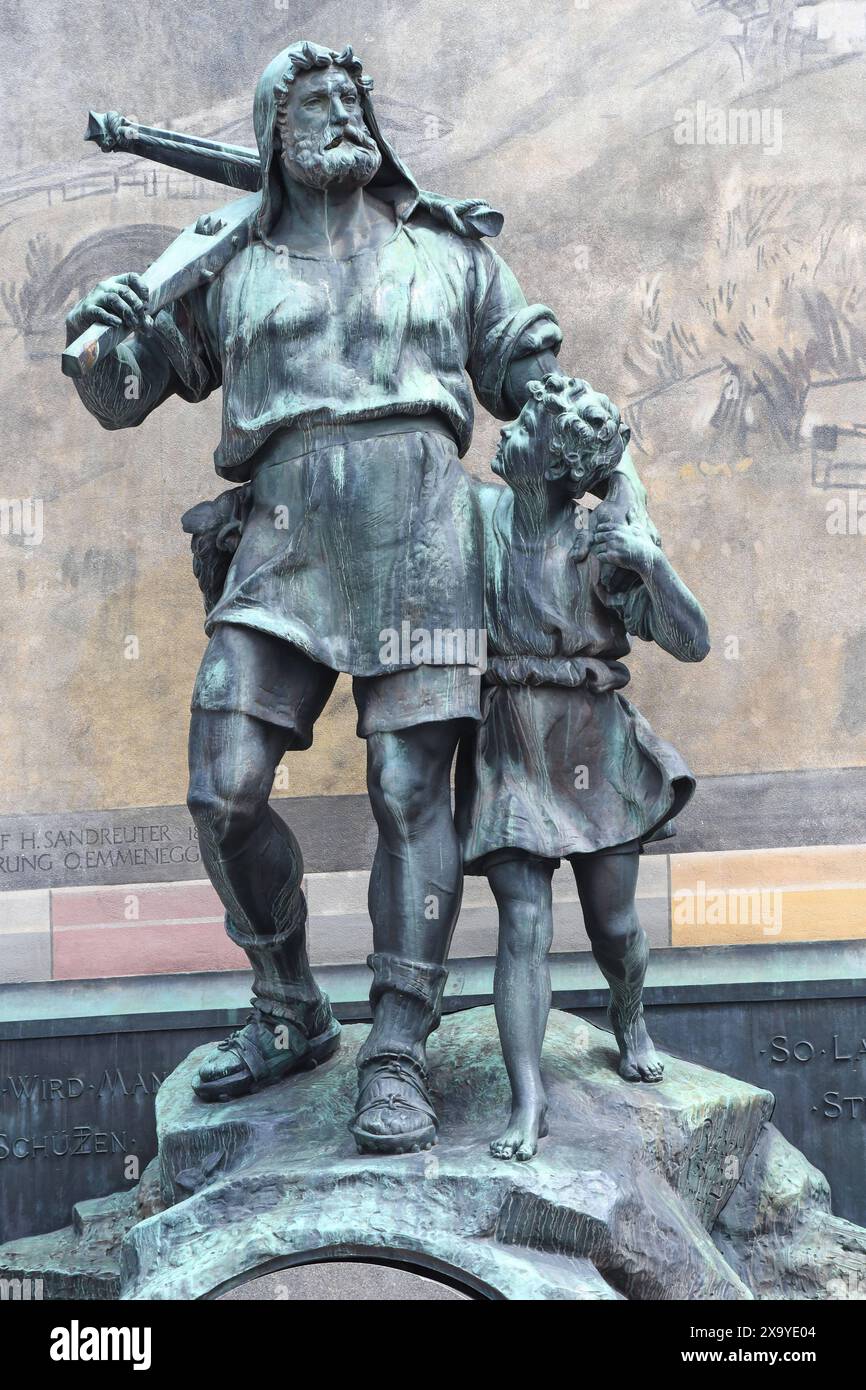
(561,762)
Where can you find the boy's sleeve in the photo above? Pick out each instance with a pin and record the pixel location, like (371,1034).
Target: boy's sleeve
(632,605)
(503,328)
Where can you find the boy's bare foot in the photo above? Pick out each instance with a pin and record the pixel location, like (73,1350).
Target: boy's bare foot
(527,1125)
(637,1056)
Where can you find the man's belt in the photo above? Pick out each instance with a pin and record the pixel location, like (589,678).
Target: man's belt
(309,439)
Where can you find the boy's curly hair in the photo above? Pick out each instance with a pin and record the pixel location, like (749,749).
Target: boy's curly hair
(586,437)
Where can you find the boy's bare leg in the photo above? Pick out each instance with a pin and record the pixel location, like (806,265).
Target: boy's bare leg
(606,886)
(521,995)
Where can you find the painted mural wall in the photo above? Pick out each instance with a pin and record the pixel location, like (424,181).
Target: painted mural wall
(683,182)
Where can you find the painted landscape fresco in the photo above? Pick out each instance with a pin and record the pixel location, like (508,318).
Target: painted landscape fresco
(682,182)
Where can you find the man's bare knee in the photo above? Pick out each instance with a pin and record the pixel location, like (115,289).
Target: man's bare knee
(404,793)
(226,816)
(232,760)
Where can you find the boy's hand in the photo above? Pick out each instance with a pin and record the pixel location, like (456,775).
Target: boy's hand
(628,544)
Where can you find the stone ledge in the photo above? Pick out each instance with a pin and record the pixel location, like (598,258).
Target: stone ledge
(798,970)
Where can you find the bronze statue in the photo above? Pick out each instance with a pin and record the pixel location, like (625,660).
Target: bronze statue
(344,313)
(561,765)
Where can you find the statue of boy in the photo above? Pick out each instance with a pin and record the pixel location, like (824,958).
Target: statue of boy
(562,766)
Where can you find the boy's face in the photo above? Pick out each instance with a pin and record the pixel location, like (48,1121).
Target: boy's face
(522,445)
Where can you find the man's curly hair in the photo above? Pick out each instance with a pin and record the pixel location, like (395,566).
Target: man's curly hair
(306,59)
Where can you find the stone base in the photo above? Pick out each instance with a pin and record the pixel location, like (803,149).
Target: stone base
(81,1260)
(681,1190)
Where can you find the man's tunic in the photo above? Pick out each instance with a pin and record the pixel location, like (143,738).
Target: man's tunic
(349,542)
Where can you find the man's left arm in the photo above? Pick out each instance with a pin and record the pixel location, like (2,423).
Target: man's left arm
(513,343)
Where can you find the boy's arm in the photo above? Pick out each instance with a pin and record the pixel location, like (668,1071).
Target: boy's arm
(625,487)
(662,609)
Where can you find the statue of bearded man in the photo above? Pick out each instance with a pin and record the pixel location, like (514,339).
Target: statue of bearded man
(347,338)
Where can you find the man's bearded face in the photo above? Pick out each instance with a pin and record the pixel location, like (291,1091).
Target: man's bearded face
(325,142)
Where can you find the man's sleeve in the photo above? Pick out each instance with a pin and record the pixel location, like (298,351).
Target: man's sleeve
(503,328)
(175,358)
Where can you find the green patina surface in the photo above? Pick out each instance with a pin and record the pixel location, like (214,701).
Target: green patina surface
(635,1195)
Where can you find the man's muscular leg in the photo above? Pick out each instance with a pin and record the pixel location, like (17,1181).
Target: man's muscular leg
(255,864)
(417,878)
(415,891)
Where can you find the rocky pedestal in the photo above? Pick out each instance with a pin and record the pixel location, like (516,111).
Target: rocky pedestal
(681,1190)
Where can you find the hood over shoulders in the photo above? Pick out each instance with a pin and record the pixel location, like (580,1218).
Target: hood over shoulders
(393,182)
